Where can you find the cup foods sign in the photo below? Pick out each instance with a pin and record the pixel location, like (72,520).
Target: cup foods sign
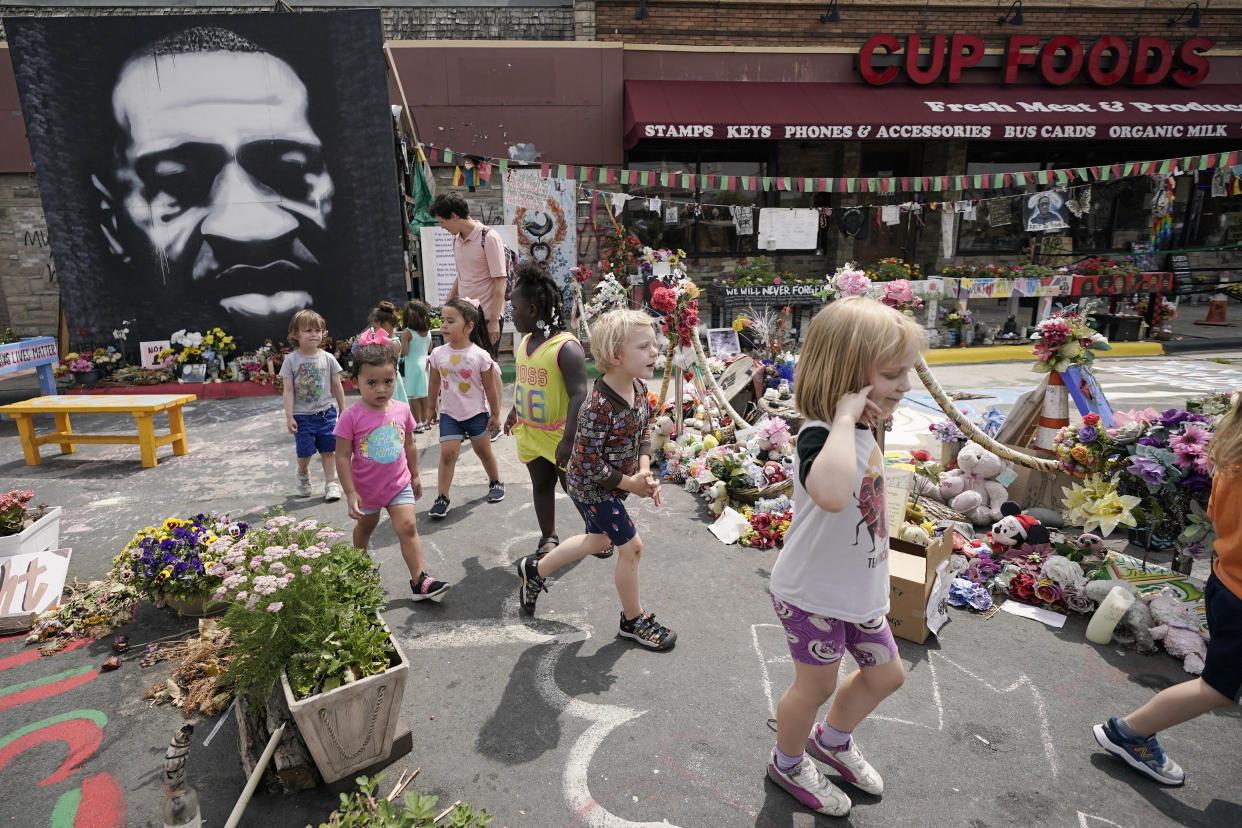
(1108,61)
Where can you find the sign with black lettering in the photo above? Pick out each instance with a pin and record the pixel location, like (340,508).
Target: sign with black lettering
(1179,263)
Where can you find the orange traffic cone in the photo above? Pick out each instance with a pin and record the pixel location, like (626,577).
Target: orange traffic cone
(1216,311)
(1055,414)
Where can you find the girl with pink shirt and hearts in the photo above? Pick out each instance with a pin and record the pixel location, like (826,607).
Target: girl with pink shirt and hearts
(463,385)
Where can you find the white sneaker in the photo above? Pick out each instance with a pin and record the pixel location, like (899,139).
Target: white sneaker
(304,487)
(332,492)
(848,762)
(809,787)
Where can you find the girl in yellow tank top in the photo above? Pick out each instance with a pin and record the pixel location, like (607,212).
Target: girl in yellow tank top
(549,388)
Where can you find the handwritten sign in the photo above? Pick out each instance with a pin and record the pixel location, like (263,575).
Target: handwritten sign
(1122,284)
(32,581)
(526,188)
(783,228)
(439,266)
(150,352)
(772,291)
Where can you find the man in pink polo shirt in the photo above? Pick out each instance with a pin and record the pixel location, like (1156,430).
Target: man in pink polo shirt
(479,254)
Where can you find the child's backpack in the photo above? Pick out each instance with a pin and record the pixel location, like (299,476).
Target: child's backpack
(511,260)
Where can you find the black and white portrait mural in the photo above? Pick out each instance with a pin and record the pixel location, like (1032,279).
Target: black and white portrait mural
(213,170)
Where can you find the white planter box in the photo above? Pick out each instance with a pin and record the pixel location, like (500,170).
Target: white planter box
(42,535)
(351,727)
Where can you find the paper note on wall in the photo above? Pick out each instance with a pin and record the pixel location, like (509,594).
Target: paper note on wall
(788,228)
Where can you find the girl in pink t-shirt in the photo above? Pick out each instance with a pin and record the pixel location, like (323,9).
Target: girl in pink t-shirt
(378,463)
(463,383)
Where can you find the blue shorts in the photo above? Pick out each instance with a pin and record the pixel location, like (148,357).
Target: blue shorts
(315,432)
(608,518)
(470,429)
(1222,669)
(405,497)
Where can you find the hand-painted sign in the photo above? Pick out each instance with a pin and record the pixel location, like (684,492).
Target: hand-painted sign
(27,353)
(1123,284)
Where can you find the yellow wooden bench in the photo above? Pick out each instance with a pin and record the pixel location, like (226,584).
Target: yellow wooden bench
(143,407)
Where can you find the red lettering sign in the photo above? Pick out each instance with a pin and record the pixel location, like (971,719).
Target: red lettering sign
(1060,60)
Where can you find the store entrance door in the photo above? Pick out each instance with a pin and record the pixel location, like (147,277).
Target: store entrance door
(884,241)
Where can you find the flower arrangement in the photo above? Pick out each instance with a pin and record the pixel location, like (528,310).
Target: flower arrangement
(81,365)
(620,254)
(1065,339)
(219,344)
(107,359)
(757,272)
(1104,266)
(609,294)
(849,280)
(680,306)
(742,322)
(8,335)
(953,318)
(886,270)
(946,431)
(769,519)
(173,560)
(1097,505)
(973,271)
(1163,312)
(898,295)
(304,601)
(1089,449)
(652,257)
(15,513)
(582,274)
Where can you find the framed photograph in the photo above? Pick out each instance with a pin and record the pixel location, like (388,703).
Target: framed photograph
(1086,393)
(722,342)
(194,373)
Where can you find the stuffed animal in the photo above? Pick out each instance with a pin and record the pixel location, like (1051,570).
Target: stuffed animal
(661,432)
(717,496)
(773,472)
(1177,628)
(1016,528)
(971,488)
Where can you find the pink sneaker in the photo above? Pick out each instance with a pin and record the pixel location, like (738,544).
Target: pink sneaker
(848,762)
(808,786)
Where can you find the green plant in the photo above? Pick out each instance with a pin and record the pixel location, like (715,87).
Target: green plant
(173,560)
(364,808)
(885,270)
(303,601)
(9,335)
(758,271)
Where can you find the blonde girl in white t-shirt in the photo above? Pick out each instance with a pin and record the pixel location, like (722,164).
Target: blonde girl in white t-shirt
(830,582)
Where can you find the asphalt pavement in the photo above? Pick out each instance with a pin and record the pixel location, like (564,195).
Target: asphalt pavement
(556,721)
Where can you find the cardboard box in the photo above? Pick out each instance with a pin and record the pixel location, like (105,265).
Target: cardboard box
(918,586)
(1033,489)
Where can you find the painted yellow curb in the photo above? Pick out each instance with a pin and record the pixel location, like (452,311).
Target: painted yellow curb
(1008,353)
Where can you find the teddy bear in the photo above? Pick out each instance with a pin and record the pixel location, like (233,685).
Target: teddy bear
(971,488)
(1015,528)
(1177,627)
(661,432)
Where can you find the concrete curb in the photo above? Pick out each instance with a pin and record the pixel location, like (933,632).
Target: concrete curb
(1180,346)
(1020,353)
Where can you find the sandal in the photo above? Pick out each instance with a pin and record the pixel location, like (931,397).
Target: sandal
(546,545)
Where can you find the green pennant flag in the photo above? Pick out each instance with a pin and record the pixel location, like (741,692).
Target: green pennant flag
(977,182)
(561,172)
(604,173)
(1082,173)
(585,172)
(873,185)
(448,156)
(767,183)
(829,184)
(808,185)
(1205,162)
(1165,166)
(918,184)
(850,184)
(788,183)
(664,179)
(504,166)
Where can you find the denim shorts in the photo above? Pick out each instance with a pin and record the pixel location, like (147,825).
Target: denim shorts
(315,432)
(405,497)
(608,518)
(470,429)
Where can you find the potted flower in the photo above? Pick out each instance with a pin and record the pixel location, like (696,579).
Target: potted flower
(955,321)
(886,270)
(171,563)
(191,359)
(25,529)
(218,346)
(84,371)
(304,614)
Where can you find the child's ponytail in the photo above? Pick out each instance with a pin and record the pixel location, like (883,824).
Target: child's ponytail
(472,314)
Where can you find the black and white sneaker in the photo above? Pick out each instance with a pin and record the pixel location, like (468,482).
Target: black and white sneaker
(495,492)
(647,631)
(440,508)
(427,588)
(532,582)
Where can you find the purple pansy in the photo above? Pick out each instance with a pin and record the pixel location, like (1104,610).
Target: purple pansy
(1150,470)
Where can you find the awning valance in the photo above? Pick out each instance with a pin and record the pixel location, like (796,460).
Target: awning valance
(737,110)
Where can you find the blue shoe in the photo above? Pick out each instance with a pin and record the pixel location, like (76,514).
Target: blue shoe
(1144,755)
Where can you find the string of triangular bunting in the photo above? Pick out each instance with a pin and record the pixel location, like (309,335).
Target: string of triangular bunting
(905,184)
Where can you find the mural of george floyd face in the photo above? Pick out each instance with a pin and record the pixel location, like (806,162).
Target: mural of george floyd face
(214,187)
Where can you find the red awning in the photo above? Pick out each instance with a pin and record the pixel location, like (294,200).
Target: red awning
(978,112)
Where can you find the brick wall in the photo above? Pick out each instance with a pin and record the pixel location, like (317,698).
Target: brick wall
(29,294)
(796,22)
(417,23)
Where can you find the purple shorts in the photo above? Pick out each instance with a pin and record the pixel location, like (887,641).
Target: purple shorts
(819,640)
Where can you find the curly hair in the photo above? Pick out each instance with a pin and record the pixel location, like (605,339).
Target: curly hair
(377,355)
(537,286)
